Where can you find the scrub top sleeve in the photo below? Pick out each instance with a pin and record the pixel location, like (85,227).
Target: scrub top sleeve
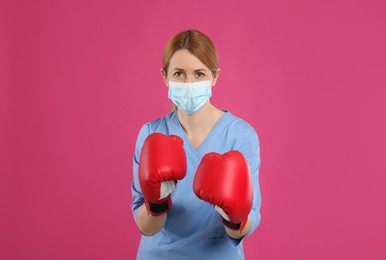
(251,150)
(136,192)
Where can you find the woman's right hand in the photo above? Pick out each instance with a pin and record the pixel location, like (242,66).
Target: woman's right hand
(162,163)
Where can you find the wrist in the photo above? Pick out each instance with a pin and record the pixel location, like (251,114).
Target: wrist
(244,229)
(160,207)
(231,225)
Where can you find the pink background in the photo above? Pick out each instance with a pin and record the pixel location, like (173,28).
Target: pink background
(79,78)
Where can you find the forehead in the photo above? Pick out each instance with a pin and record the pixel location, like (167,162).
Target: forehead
(183,59)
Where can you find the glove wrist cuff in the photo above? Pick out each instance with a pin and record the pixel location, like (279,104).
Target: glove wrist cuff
(159,208)
(231,225)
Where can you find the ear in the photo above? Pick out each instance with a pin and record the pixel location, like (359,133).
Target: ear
(218,72)
(164,76)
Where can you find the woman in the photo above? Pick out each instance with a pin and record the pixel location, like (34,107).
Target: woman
(209,202)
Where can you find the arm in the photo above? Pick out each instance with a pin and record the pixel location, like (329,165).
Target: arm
(162,162)
(251,150)
(230,183)
(224,181)
(149,225)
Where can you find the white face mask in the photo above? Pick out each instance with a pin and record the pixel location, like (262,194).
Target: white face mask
(191,96)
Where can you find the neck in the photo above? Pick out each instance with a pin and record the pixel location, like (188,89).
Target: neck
(202,120)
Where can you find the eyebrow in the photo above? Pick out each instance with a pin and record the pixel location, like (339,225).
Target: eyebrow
(184,70)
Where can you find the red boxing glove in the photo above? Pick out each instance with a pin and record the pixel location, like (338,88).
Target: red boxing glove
(225,181)
(161,164)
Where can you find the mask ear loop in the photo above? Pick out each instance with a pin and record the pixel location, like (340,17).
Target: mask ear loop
(214,75)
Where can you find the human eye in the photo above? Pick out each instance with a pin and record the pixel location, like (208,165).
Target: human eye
(200,74)
(178,74)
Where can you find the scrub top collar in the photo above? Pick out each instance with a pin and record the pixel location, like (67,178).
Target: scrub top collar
(211,134)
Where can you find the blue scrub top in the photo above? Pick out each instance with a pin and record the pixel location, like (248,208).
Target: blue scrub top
(193,229)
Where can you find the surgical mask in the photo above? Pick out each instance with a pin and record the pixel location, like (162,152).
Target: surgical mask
(191,96)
